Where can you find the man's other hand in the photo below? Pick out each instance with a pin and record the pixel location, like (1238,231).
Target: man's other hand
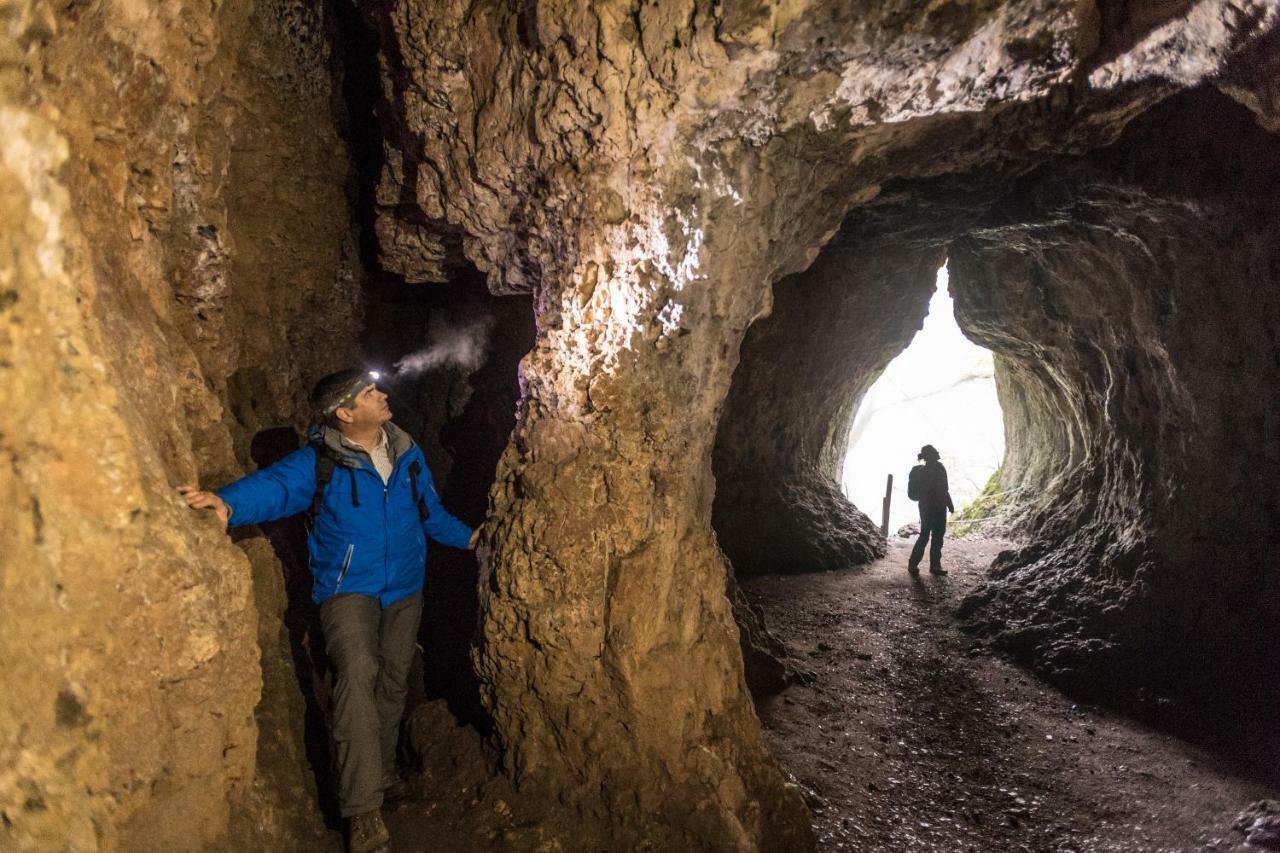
(197,499)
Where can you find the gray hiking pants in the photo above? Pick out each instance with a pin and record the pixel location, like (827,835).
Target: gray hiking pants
(370,648)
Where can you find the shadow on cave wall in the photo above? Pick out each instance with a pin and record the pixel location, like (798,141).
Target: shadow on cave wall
(462,418)
(1132,295)
(288,538)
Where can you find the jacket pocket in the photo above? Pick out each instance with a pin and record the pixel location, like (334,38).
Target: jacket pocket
(346,564)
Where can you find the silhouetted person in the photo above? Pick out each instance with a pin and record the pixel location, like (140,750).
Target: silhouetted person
(928,485)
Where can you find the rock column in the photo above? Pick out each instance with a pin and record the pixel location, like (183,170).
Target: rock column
(609,655)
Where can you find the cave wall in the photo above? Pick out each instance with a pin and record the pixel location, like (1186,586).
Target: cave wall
(779,452)
(648,188)
(647,173)
(1132,298)
(178,265)
(174,236)
(833,329)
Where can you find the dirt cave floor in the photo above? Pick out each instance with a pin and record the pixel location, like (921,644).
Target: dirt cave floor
(912,737)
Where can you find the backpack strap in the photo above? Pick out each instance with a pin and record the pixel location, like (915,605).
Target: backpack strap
(415,468)
(325,463)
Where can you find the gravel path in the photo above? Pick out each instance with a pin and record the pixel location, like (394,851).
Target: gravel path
(912,737)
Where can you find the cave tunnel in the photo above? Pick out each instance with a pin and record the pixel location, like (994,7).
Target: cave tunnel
(627,273)
(940,388)
(836,325)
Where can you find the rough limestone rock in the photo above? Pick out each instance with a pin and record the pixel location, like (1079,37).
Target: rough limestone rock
(1130,295)
(132,669)
(782,439)
(178,263)
(172,195)
(647,172)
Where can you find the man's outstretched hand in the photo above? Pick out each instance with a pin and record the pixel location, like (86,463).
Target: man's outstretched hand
(475,537)
(197,499)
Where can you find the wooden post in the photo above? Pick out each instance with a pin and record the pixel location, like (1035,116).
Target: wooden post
(884,517)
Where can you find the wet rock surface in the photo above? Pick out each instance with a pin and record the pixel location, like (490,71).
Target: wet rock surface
(914,737)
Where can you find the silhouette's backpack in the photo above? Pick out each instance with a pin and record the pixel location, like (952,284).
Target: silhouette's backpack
(913,482)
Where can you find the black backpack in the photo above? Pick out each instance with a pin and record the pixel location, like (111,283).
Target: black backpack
(327,460)
(913,482)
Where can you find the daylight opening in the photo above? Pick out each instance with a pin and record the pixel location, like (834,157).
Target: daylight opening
(941,390)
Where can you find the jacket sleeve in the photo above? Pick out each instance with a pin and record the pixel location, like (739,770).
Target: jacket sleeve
(277,491)
(440,525)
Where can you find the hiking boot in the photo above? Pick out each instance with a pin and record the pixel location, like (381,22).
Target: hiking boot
(395,791)
(914,571)
(366,833)
(937,570)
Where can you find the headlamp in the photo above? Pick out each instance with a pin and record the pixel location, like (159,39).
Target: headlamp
(347,393)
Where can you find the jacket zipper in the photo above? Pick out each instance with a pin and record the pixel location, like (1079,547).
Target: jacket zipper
(386,538)
(346,564)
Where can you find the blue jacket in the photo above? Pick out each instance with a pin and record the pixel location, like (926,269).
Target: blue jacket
(376,548)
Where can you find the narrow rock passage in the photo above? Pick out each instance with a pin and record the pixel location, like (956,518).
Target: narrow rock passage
(911,737)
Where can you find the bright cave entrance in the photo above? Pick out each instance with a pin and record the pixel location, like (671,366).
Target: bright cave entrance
(940,390)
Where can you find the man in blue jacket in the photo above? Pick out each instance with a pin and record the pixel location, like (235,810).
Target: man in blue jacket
(372,506)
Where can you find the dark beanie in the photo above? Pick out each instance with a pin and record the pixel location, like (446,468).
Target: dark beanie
(337,389)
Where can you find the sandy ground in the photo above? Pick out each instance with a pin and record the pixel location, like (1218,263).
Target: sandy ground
(912,737)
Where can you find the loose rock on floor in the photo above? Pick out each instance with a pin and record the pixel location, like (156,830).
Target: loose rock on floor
(913,737)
